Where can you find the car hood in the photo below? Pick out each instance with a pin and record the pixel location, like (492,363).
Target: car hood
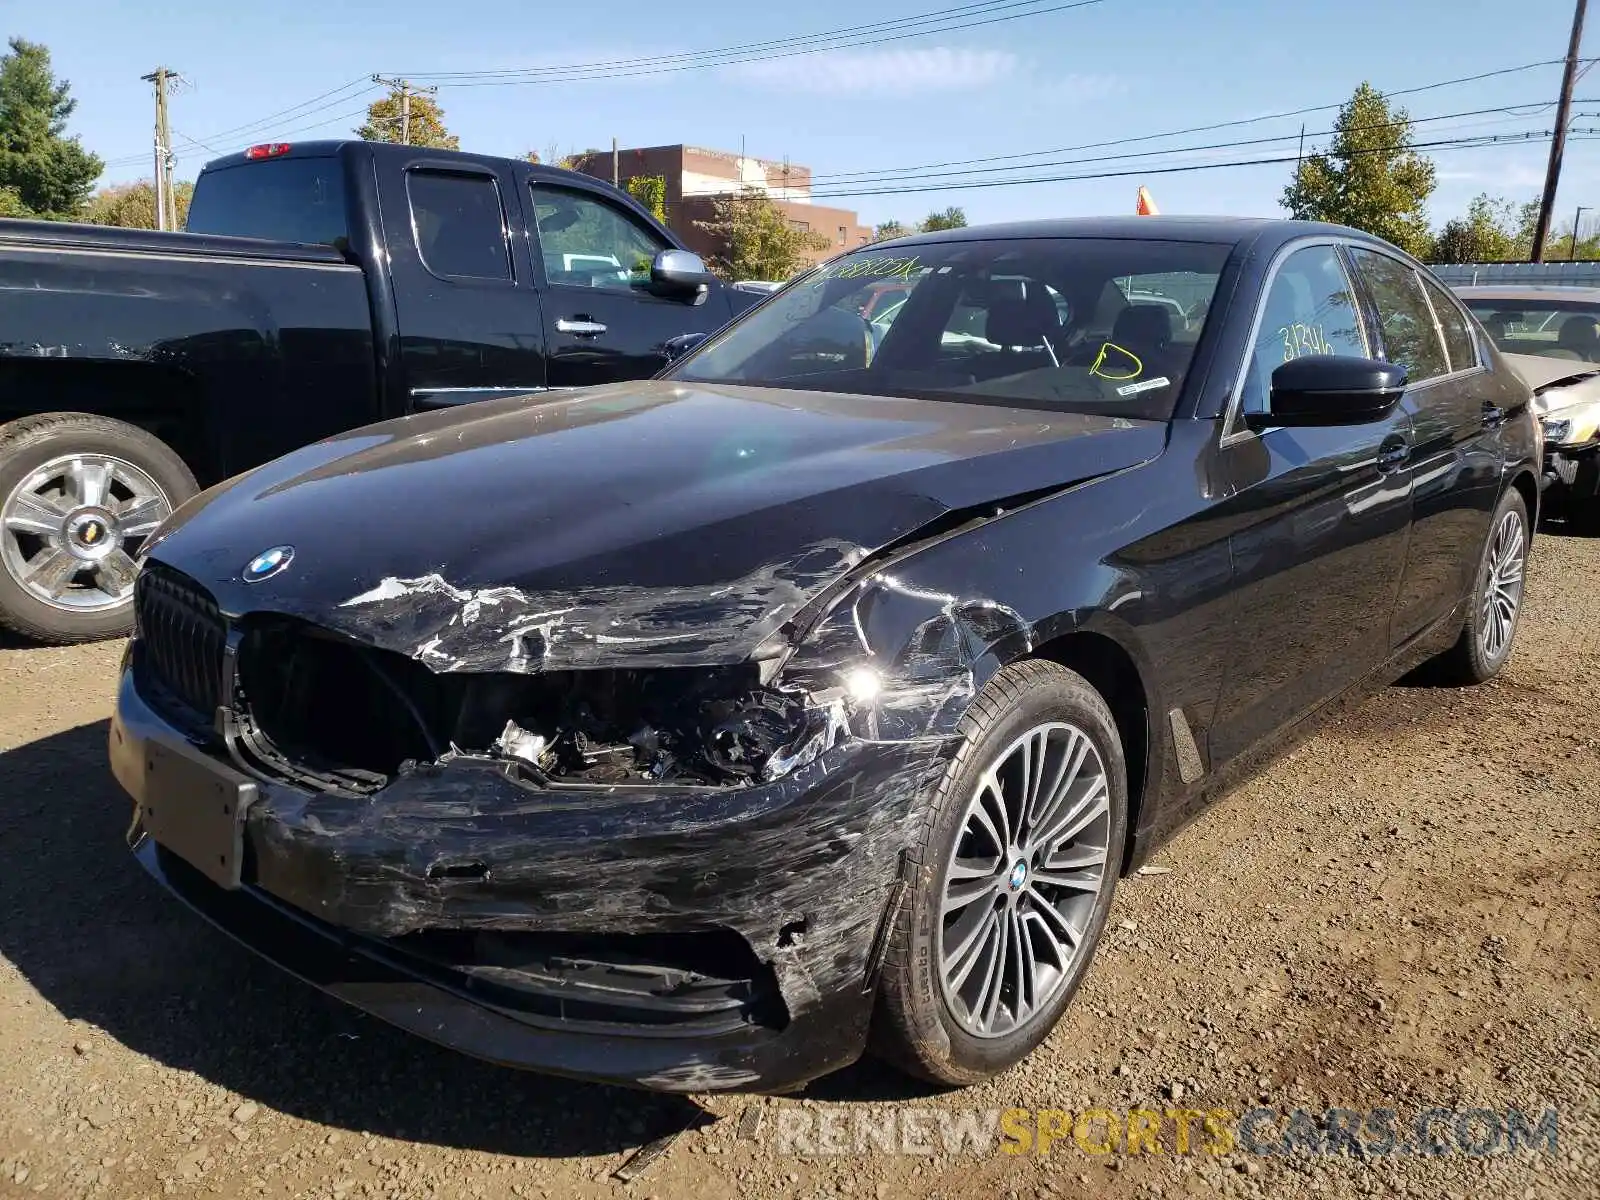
(1538,371)
(645,524)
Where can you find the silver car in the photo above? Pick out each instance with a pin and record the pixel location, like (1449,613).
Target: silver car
(1551,337)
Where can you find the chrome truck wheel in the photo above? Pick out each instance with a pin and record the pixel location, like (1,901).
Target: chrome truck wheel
(79,497)
(70,530)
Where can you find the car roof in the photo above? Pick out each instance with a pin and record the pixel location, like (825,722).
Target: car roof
(329,147)
(1222,230)
(1528,291)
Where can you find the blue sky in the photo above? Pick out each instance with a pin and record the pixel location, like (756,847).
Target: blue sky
(1115,70)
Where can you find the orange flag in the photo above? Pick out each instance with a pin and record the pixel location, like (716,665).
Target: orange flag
(1147,205)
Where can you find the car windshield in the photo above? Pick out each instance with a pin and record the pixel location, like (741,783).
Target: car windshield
(1089,325)
(1551,328)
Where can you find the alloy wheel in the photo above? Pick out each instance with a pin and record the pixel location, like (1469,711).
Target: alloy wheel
(1023,878)
(1502,587)
(70,531)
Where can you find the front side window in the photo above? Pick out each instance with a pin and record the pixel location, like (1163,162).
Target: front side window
(1409,335)
(585,242)
(1027,321)
(1458,340)
(1310,309)
(458,224)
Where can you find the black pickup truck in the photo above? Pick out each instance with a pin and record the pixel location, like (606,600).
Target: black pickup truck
(318,287)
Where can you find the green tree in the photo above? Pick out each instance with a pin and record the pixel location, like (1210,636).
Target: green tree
(11,204)
(888,230)
(386,123)
(950,218)
(50,173)
(1487,233)
(133,205)
(755,239)
(651,192)
(1370,178)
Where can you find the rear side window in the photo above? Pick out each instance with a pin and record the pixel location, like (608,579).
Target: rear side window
(1409,336)
(1458,338)
(459,225)
(285,200)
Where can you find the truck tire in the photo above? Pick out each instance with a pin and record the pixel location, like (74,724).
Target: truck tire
(79,495)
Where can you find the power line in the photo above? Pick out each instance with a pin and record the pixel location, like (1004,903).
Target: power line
(1477,142)
(305,108)
(1193,129)
(735,55)
(294,111)
(893,174)
(979,7)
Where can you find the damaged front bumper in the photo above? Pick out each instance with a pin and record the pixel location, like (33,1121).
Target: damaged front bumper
(674,938)
(1572,471)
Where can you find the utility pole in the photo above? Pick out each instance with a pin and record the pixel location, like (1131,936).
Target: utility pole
(166,209)
(1577,218)
(406,90)
(1558,145)
(616,165)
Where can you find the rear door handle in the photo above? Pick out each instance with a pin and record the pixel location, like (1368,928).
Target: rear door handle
(1393,453)
(1493,416)
(580,326)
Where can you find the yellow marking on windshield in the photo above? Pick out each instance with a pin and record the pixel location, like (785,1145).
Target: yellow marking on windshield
(1100,361)
(879,268)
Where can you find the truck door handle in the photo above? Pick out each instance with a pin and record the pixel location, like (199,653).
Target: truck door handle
(580,326)
(1393,453)
(1493,416)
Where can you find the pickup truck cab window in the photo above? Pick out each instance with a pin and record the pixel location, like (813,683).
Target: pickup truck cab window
(1410,336)
(459,225)
(586,242)
(1310,309)
(284,199)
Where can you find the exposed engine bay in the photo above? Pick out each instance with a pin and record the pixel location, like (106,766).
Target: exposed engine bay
(351,717)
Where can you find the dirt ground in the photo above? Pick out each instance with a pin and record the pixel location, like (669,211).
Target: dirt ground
(1403,914)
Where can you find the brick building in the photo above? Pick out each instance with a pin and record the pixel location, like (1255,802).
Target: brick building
(695,177)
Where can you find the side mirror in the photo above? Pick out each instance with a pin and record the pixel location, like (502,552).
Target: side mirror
(1329,389)
(678,346)
(678,272)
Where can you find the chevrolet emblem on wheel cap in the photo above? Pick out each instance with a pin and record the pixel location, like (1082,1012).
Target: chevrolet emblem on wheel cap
(268,563)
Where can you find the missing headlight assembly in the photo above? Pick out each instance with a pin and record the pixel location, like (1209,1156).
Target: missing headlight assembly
(320,708)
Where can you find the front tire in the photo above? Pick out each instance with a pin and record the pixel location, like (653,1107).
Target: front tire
(1496,604)
(79,496)
(1017,862)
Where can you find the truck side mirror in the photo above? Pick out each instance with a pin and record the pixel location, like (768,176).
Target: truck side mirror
(678,273)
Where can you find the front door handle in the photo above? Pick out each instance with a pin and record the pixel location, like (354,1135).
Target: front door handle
(580,326)
(1493,415)
(1393,453)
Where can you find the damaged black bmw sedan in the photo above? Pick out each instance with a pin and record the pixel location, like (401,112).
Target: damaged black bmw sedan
(698,733)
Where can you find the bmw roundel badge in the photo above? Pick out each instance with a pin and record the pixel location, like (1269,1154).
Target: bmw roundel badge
(268,563)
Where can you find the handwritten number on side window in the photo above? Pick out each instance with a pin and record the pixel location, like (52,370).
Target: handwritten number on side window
(1300,340)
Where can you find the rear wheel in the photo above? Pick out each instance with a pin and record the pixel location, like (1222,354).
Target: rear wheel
(1485,643)
(1018,861)
(79,496)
